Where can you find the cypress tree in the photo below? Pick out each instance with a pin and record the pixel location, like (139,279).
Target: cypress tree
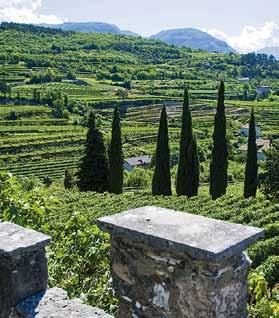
(187,181)
(161,183)
(116,156)
(219,161)
(93,172)
(251,170)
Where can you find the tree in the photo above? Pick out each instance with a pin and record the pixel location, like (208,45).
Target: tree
(4,88)
(219,161)
(251,171)
(58,108)
(116,156)
(47,181)
(93,171)
(187,181)
(13,115)
(123,93)
(270,183)
(161,183)
(68,180)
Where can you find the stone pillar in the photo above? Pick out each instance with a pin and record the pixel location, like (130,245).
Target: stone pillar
(168,264)
(23,265)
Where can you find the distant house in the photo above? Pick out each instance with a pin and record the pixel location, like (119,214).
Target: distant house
(141,161)
(244,80)
(244,131)
(263,90)
(262,144)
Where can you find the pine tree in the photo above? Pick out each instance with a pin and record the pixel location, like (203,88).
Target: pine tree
(251,171)
(93,172)
(187,181)
(116,156)
(219,161)
(68,180)
(161,183)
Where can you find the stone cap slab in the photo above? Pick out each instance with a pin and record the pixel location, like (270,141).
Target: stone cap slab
(15,239)
(200,237)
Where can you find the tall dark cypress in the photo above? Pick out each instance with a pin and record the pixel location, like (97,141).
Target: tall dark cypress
(116,156)
(161,183)
(219,160)
(187,181)
(93,172)
(251,171)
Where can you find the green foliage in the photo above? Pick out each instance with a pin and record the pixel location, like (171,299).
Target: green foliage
(251,171)
(219,161)
(13,115)
(138,178)
(161,183)
(187,182)
(78,261)
(68,180)
(270,183)
(264,309)
(262,249)
(22,201)
(270,270)
(116,156)
(93,172)
(4,88)
(262,305)
(257,287)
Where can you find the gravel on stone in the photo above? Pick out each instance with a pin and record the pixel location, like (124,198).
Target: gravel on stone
(54,303)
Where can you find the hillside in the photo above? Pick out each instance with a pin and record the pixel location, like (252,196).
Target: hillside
(194,39)
(56,77)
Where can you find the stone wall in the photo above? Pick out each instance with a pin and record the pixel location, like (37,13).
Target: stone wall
(167,264)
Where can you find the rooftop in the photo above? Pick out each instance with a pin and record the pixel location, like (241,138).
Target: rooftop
(14,239)
(201,237)
(262,144)
(247,126)
(140,160)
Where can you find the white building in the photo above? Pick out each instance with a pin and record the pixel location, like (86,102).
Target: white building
(263,90)
(244,80)
(141,161)
(263,145)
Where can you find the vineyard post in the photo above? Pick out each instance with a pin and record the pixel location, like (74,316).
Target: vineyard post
(172,264)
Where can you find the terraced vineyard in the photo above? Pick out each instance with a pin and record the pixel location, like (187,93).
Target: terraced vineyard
(55,78)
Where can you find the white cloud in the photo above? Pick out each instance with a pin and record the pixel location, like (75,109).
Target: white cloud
(251,38)
(25,11)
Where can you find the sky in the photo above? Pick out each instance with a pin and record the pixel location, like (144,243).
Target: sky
(247,25)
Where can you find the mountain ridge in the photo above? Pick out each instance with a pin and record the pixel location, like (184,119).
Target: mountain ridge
(98,27)
(187,37)
(193,38)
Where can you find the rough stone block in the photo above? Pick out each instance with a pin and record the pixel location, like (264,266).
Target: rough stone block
(23,265)
(168,264)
